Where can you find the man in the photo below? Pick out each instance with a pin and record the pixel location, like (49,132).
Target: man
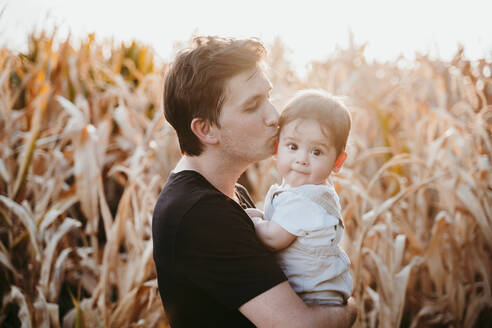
(212,270)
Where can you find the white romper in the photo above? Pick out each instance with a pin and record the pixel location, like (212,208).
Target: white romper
(316,266)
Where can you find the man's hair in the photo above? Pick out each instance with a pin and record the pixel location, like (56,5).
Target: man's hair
(324,108)
(195,83)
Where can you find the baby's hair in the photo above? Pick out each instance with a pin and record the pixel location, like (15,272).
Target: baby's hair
(320,106)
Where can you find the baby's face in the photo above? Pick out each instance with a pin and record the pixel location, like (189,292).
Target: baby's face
(305,155)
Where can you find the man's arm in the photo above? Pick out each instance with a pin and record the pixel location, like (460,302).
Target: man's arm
(281,307)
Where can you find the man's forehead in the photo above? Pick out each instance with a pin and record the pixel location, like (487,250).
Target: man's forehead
(246,84)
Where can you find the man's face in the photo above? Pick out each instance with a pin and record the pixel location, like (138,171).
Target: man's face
(248,120)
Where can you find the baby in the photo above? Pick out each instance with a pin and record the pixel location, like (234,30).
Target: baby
(302,218)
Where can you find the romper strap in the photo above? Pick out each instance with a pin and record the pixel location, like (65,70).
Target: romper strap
(324,199)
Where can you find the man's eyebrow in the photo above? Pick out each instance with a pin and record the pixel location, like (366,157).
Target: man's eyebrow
(257,96)
(252,99)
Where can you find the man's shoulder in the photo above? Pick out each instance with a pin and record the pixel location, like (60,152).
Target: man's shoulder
(187,194)
(182,191)
(186,199)
(189,182)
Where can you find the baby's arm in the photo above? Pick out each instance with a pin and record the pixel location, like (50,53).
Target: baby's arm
(273,235)
(270,233)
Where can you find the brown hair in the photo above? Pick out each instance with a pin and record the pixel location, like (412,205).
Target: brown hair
(324,108)
(194,84)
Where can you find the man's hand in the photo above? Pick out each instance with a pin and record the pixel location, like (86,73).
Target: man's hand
(254,213)
(351,310)
(281,307)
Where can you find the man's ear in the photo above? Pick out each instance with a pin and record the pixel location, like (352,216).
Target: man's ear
(203,130)
(339,162)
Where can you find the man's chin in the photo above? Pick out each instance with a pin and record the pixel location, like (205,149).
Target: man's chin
(258,155)
(264,157)
(266,154)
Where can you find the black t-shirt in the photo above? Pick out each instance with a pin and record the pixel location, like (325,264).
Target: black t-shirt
(208,258)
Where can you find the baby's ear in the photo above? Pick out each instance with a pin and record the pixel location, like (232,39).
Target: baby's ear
(339,162)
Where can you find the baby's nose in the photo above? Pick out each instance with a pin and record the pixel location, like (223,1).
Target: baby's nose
(302,162)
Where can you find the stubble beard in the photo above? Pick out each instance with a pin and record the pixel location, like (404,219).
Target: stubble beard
(240,152)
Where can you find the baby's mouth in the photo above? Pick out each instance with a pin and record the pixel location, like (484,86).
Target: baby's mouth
(300,171)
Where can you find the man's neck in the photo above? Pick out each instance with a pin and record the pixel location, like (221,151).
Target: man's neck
(221,174)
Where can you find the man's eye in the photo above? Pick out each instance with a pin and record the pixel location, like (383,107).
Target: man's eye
(252,108)
(292,146)
(316,152)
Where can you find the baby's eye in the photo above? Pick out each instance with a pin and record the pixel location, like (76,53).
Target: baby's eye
(292,146)
(316,152)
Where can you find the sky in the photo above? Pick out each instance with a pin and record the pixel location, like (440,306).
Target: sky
(311,30)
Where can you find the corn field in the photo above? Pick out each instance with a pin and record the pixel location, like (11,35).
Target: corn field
(85,151)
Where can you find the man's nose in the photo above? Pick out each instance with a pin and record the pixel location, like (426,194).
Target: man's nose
(271,115)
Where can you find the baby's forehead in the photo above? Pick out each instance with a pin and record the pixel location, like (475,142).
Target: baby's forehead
(306,129)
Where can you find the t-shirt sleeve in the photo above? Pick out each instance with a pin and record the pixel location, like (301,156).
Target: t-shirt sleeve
(299,215)
(218,250)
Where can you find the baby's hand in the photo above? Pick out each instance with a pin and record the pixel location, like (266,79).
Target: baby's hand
(254,213)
